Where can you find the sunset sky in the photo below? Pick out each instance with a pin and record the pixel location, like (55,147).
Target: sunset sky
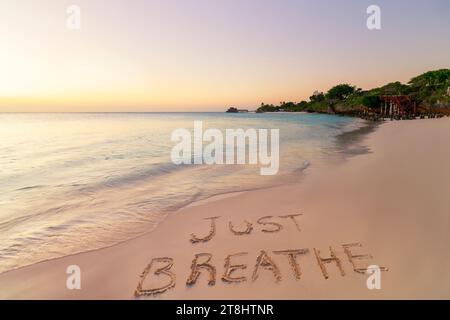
(206,55)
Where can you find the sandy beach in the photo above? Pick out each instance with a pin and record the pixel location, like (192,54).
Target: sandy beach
(392,203)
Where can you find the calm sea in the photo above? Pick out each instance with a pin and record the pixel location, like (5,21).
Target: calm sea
(76,182)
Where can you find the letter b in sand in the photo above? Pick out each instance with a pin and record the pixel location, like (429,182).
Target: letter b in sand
(374,280)
(74,279)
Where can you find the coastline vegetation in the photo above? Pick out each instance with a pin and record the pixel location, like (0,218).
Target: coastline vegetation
(430,93)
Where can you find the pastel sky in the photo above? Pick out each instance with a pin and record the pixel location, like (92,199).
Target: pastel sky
(206,55)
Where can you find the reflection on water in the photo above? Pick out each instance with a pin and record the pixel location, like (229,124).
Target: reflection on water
(75,182)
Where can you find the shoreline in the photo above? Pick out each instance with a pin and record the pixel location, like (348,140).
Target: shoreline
(358,133)
(369,199)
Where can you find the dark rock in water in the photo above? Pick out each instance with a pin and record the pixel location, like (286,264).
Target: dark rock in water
(236,110)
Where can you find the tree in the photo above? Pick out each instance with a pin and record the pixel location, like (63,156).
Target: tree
(433,79)
(431,86)
(302,105)
(395,88)
(317,97)
(340,92)
(371,101)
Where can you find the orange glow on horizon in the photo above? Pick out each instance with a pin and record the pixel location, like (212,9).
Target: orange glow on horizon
(202,55)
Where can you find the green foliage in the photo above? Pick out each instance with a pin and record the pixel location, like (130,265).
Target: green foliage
(431,87)
(317,97)
(287,105)
(340,92)
(267,108)
(301,106)
(319,106)
(395,88)
(371,101)
(428,89)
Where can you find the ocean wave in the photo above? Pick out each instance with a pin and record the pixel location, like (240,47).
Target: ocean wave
(76,195)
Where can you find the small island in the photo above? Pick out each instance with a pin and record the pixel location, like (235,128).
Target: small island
(236,110)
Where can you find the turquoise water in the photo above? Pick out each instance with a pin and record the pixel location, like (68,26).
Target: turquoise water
(76,182)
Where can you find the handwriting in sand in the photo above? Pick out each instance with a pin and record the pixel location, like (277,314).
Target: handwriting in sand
(162,268)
